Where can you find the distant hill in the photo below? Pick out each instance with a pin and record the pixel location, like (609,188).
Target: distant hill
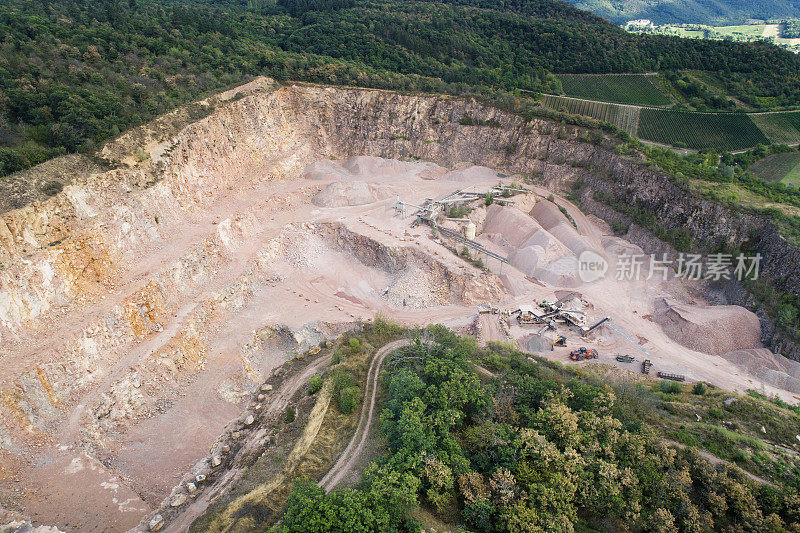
(712,12)
(74,74)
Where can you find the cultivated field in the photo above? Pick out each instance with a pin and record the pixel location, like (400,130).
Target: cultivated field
(779,167)
(723,131)
(625,117)
(636,89)
(781,128)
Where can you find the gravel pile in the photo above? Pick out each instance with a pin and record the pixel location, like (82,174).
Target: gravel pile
(775,370)
(714,329)
(414,288)
(341,194)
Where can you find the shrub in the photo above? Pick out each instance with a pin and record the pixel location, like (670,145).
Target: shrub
(314,384)
(342,379)
(670,387)
(347,399)
(52,188)
(290,414)
(619,227)
(355,344)
(489,200)
(466,120)
(699,388)
(337,357)
(740,456)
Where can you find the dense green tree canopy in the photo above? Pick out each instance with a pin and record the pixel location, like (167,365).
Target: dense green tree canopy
(531,449)
(74,73)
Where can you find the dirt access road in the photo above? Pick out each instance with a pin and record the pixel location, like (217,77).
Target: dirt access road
(280,399)
(354,448)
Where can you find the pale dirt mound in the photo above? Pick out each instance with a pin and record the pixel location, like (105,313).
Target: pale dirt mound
(515,227)
(524,202)
(548,214)
(325,169)
(341,194)
(571,239)
(527,259)
(531,248)
(471,174)
(712,329)
(378,167)
(521,231)
(775,370)
(364,168)
(562,272)
(494,242)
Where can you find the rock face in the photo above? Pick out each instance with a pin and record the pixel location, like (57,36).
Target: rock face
(308,122)
(85,320)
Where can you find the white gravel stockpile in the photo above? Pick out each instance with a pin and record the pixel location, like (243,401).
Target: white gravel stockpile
(713,329)
(471,174)
(341,194)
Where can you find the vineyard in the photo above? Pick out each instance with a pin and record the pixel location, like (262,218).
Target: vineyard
(783,167)
(721,131)
(625,117)
(689,129)
(781,128)
(637,89)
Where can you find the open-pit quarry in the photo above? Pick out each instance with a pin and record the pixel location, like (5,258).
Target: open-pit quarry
(144,306)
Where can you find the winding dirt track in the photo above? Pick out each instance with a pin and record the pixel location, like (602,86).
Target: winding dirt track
(280,399)
(350,455)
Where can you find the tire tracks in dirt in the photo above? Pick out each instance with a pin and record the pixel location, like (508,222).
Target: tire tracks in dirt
(348,459)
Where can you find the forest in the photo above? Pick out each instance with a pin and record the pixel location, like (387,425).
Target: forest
(537,446)
(76,73)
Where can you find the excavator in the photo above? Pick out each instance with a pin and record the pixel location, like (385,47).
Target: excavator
(583,353)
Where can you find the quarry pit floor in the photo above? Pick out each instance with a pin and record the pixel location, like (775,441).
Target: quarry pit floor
(265,271)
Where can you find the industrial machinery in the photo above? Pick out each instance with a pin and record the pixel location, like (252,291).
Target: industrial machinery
(646,364)
(673,377)
(526,315)
(625,358)
(588,330)
(560,341)
(583,353)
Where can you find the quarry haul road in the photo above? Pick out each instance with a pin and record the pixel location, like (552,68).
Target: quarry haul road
(281,398)
(350,455)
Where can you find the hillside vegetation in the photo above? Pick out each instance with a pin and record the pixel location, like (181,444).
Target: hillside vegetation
(73,74)
(541,447)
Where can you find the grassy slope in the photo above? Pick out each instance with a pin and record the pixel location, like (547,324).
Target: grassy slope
(784,168)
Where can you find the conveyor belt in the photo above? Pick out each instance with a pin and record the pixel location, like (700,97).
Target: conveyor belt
(472,244)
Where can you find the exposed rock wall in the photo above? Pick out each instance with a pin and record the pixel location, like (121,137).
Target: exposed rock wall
(65,248)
